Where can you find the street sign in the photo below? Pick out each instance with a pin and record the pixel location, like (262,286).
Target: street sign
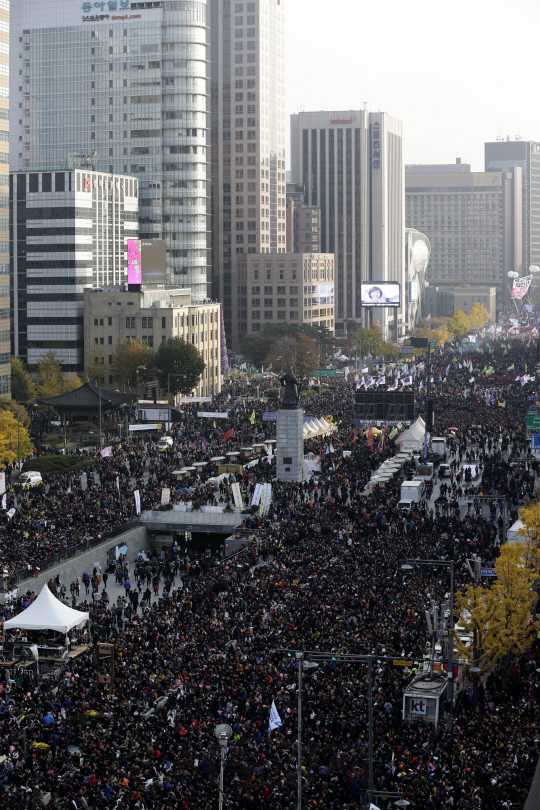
(406,349)
(533,420)
(269,416)
(488,572)
(325,372)
(535,441)
(433,344)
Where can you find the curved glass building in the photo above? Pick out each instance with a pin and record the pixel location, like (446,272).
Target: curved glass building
(120,86)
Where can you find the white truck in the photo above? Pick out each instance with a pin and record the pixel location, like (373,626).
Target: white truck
(412,491)
(424,472)
(438,445)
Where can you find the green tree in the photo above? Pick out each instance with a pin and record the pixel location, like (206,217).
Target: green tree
(368,341)
(128,356)
(95,370)
(23,386)
(459,324)
(176,356)
(52,381)
(254,348)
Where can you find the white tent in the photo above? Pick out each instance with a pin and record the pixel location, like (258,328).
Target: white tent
(413,437)
(513,535)
(47,613)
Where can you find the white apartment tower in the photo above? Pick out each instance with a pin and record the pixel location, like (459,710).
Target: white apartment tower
(248,144)
(351,166)
(126,82)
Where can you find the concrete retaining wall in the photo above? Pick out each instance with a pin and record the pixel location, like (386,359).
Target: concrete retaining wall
(135,539)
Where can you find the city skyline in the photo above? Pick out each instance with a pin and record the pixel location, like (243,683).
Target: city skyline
(442,78)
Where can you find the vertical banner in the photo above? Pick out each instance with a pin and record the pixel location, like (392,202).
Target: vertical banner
(137,496)
(165,495)
(2,483)
(520,287)
(267,491)
(237,495)
(262,500)
(257,495)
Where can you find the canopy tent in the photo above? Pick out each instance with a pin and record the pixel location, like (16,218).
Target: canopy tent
(413,437)
(47,613)
(513,532)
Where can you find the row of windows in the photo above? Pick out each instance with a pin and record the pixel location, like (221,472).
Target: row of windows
(269,315)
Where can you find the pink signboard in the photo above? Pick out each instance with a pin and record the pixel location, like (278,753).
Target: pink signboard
(134,261)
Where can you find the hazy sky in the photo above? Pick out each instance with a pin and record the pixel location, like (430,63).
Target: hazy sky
(456,73)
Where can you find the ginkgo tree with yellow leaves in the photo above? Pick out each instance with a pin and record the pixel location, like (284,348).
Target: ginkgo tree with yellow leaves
(500,617)
(9,439)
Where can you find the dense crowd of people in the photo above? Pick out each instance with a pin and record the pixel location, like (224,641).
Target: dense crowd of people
(218,644)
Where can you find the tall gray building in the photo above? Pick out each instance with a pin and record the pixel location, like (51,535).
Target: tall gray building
(503,156)
(473,221)
(351,166)
(248,145)
(128,80)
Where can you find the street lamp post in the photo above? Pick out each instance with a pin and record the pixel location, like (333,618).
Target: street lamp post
(448,564)
(350,658)
(137,373)
(302,665)
(169,391)
(223,734)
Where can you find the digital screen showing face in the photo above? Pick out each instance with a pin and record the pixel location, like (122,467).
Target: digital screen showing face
(380,294)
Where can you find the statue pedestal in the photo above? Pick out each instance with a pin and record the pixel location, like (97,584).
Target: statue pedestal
(290,445)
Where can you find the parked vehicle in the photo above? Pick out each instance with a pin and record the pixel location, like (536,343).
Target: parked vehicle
(164,443)
(445,471)
(30,479)
(412,491)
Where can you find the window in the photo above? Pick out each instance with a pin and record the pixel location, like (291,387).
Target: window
(268,302)
(101,321)
(109,321)
(102,341)
(164,323)
(150,323)
(96,340)
(268,315)
(128,323)
(110,359)
(110,340)
(133,323)
(268,290)
(151,340)
(95,321)
(144,323)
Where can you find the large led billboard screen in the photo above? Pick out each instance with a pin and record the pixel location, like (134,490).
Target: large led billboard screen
(147,261)
(380,294)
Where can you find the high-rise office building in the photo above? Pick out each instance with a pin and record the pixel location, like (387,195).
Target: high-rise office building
(129,81)
(303,222)
(503,156)
(69,231)
(473,221)
(248,144)
(351,166)
(5,355)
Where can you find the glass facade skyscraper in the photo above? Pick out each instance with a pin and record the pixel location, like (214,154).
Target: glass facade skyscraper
(127,80)
(248,145)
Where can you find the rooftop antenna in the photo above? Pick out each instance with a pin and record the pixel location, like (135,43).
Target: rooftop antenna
(499,136)
(518,136)
(365,106)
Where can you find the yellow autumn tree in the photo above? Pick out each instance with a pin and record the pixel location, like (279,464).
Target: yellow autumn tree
(500,616)
(441,334)
(459,324)
(8,439)
(479,315)
(530,533)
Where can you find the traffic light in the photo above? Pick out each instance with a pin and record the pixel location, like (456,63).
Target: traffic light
(429,414)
